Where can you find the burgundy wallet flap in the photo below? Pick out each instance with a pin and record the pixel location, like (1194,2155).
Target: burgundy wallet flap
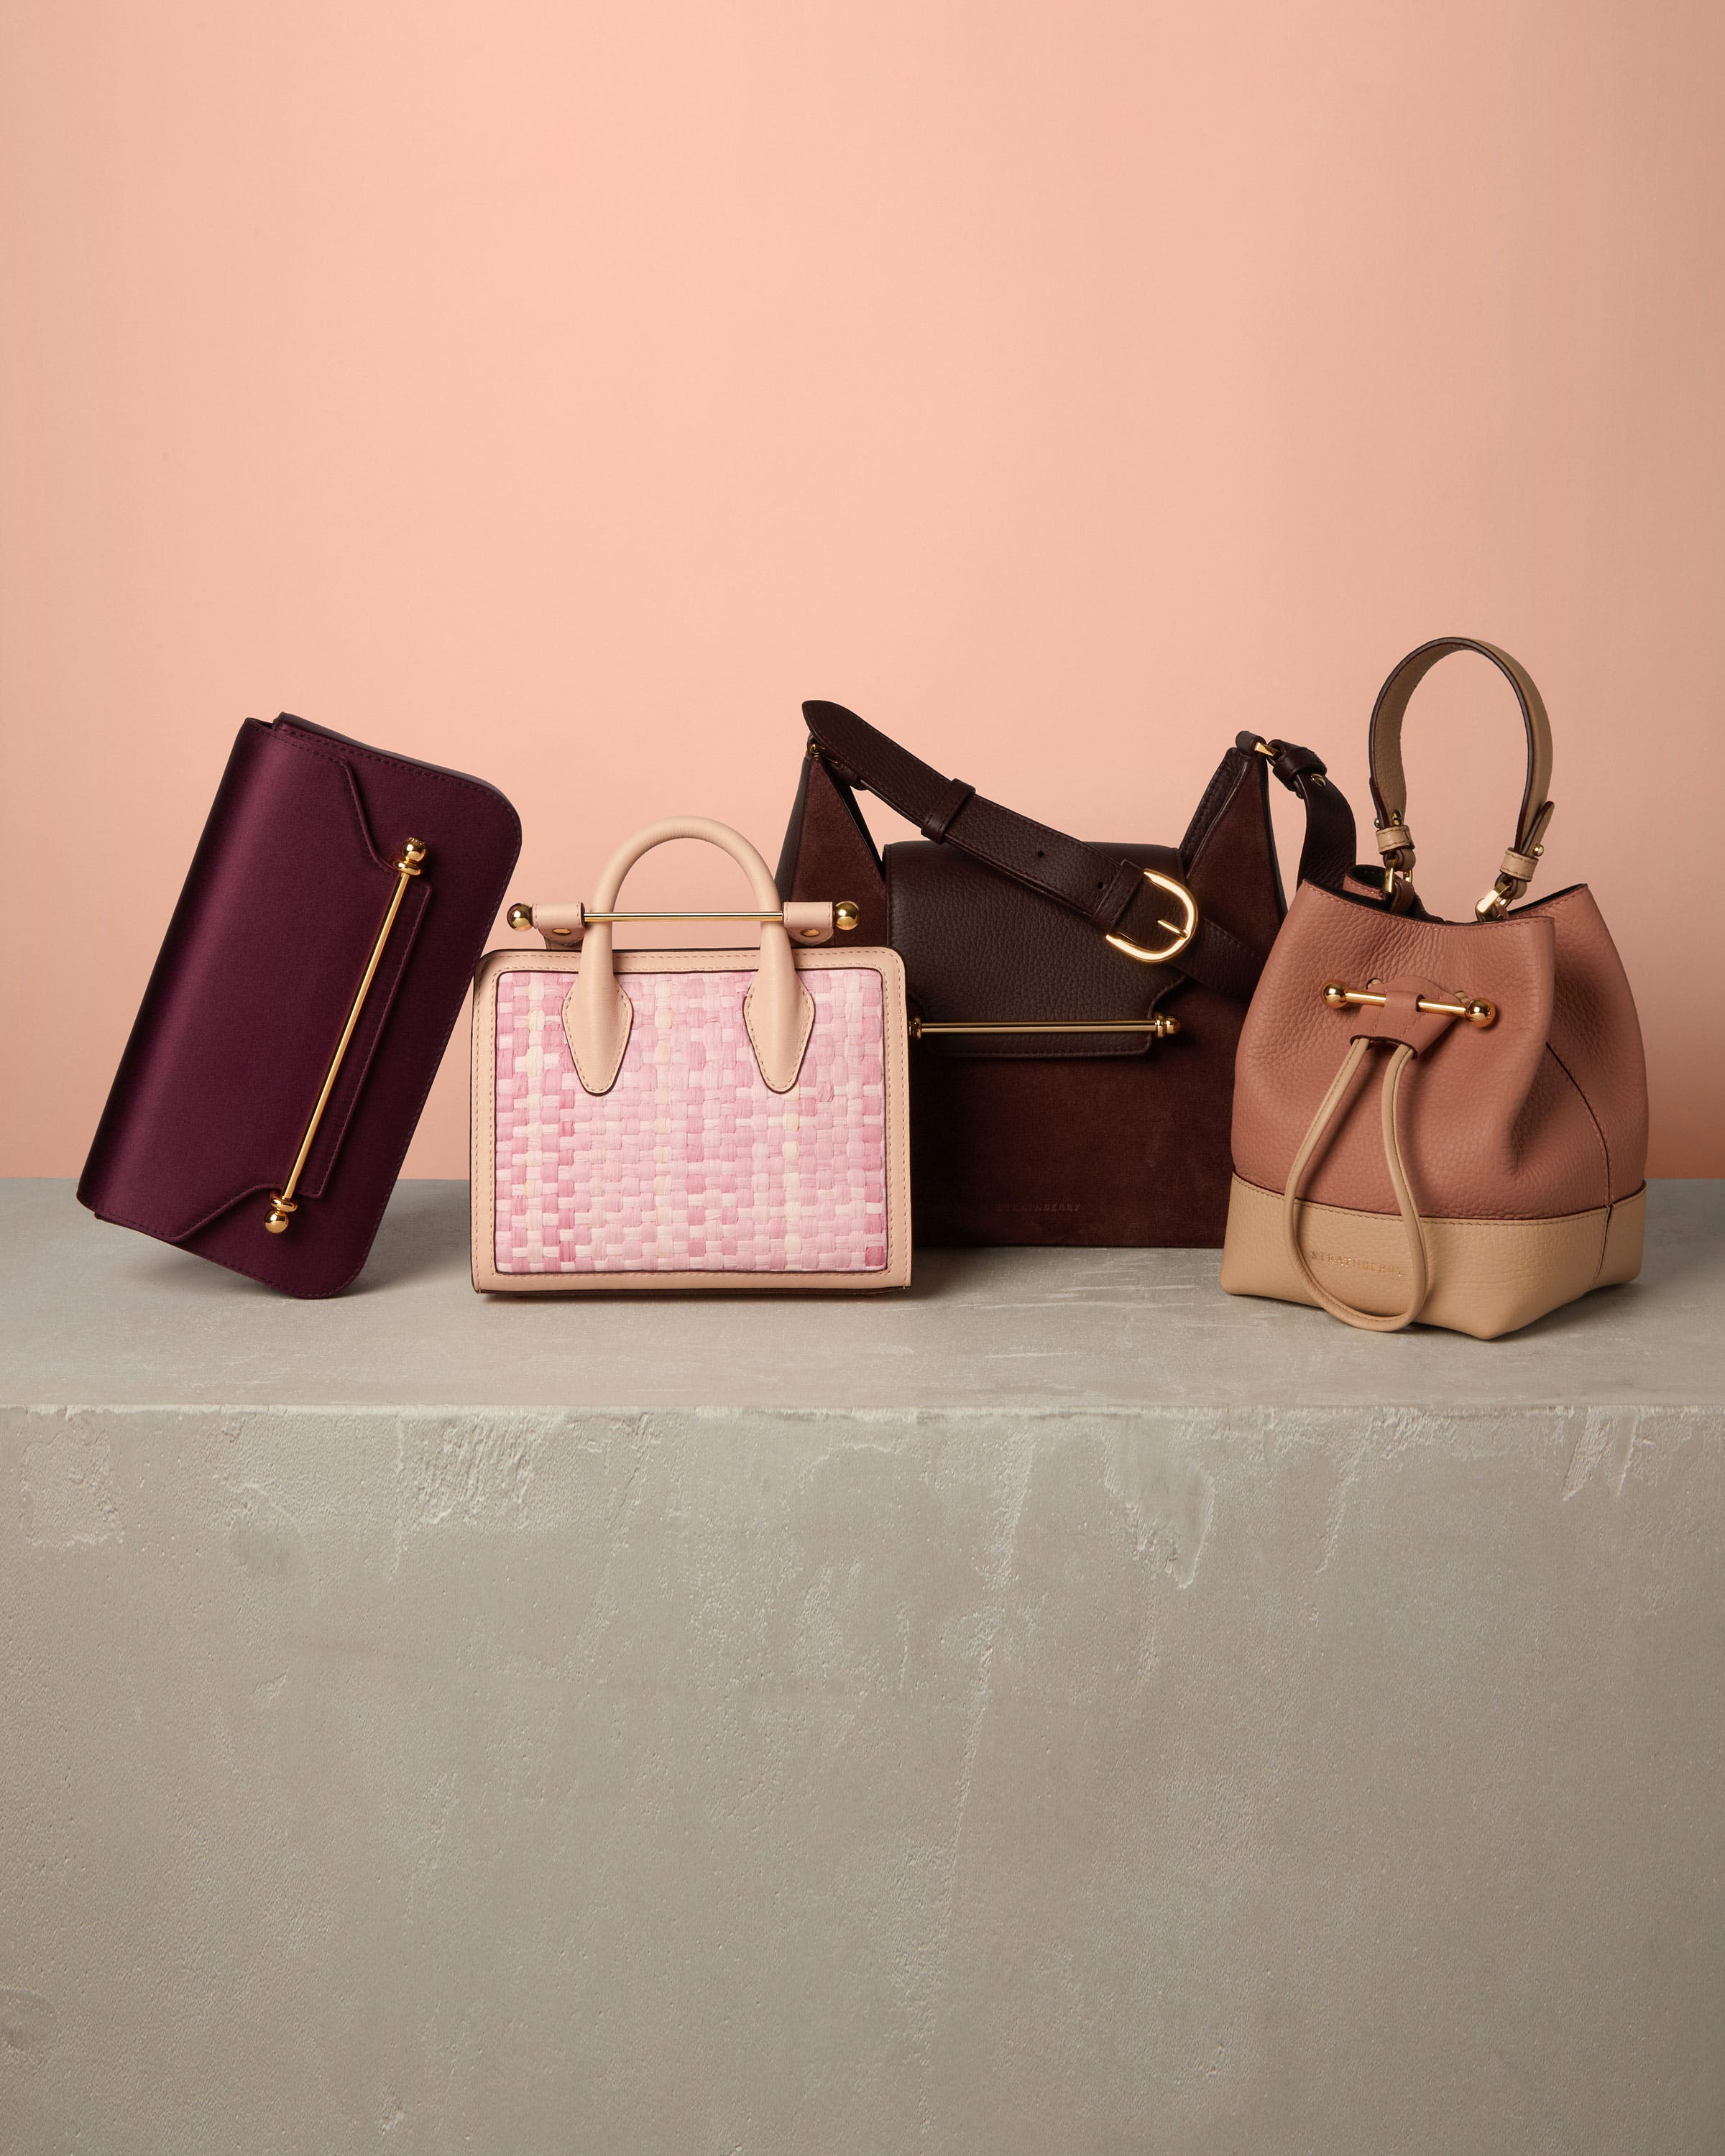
(282,909)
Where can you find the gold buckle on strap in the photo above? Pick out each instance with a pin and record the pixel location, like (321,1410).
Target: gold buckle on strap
(1180,936)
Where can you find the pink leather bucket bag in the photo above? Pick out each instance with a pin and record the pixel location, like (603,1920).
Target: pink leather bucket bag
(1435,1120)
(690,1119)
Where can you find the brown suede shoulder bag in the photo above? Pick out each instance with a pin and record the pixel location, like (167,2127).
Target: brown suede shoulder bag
(1075,1007)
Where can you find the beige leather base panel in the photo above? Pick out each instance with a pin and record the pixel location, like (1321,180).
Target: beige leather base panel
(1488,1277)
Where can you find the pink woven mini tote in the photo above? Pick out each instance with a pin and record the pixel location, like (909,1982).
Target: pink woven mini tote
(690,1119)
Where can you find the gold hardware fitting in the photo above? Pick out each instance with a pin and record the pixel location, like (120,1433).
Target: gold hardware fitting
(1181,937)
(1272,749)
(1398,860)
(1505,891)
(1502,895)
(726,914)
(1394,869)
(1477,1011)
(846,916)
(282,1204)
(1161,1027)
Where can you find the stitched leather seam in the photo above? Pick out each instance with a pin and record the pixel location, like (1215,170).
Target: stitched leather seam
(1447,1219)
(847,797)
(290,732)
(349,789)
(1220,791)
(1604,1150)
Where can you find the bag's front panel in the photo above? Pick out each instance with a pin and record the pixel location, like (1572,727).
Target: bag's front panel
(690,1164)
(1493,1127)
(977,947)
(1127,1154)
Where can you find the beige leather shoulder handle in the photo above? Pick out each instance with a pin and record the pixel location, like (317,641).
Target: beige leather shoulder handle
(1389,785)
(777,1011)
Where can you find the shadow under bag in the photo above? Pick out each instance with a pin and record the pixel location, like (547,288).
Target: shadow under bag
(1439,1120)
(1074,1009)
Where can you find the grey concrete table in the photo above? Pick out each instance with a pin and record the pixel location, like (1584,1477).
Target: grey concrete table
(1058,1710)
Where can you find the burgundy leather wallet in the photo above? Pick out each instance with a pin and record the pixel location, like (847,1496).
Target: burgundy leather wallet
(311,975)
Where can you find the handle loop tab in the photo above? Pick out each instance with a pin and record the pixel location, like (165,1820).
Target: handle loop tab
(779,1011)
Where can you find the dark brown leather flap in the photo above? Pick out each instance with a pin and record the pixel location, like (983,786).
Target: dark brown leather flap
(977,945)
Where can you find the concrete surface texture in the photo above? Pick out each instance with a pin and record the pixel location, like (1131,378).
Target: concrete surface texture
(1061,1710)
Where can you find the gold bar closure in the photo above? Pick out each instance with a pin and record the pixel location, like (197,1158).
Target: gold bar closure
(1478,1012)
(283,1204)
(1160,1026)
(845,916)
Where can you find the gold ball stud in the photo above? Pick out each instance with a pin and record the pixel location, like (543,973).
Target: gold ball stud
(1480,1012)
(520,917)
(281,1209)
(846,916)
(1335,995)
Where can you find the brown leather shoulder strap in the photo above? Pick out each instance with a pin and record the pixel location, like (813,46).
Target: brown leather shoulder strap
(1111,892)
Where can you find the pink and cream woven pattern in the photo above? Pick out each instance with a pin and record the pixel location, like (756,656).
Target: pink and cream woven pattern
(690,1164)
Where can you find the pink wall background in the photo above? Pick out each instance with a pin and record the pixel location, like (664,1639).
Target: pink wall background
(565,391)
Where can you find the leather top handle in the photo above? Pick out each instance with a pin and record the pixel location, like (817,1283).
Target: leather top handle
(1389,785)
(777,1011)
(1127,904)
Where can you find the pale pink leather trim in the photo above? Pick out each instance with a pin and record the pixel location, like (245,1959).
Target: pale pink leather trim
(808,921)
(776,1009)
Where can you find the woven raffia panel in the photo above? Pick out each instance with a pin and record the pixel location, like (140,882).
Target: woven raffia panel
(690,1164)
